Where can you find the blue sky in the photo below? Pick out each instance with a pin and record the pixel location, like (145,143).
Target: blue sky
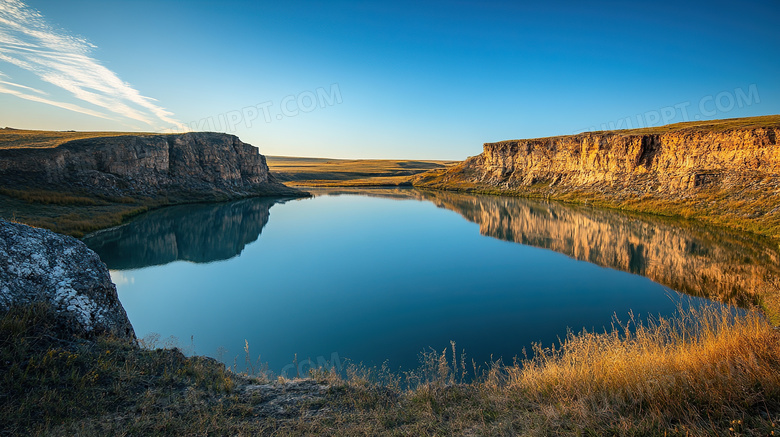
(396,79)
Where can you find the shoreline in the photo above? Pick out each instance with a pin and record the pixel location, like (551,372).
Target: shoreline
(718,372)
(594,200)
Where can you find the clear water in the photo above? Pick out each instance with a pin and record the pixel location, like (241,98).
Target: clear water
(384,274)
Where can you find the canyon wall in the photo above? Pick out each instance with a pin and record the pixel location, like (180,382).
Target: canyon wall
(147,165)
(674,162)
(725,172)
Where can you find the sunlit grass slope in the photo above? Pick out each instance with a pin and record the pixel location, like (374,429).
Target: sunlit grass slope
(709,372)
(39,139)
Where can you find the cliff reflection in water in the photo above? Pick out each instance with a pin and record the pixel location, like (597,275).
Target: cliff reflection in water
(695,260)
(198,233)
(700,261)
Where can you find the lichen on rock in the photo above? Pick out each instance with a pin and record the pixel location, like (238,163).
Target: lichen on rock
(37,265)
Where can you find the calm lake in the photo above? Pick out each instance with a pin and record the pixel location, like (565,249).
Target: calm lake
(375,275)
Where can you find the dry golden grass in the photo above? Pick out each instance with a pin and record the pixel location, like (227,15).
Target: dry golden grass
(38,139)
(710,126)
(323,172)
(696,126)
(707,364)
(74,214)
(81,222)
(711,371)
(386,181)
(48,197)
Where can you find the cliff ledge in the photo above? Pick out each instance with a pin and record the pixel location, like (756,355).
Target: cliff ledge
(723,171)
(193,163)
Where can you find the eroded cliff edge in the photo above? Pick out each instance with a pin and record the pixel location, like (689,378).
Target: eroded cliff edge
(725,171)
(95,181)
(196,163)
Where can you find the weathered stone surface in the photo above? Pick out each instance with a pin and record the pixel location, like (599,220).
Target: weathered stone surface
(283,399)
(196,162)
(673,163)
(37,265)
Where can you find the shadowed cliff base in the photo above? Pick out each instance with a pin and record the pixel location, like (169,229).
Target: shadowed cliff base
(724,172)
(93,182)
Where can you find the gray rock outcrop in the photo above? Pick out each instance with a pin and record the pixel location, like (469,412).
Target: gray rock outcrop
(37,265)
(151,165)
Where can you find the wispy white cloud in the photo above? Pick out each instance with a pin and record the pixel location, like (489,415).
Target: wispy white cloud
(24,87)
(28,42)
(69,106)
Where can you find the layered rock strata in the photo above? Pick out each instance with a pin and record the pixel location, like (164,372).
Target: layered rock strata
(674,163)
(151,165)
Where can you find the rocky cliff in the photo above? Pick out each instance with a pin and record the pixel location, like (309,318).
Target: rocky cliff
(147,165)
(37,265)
(733,160)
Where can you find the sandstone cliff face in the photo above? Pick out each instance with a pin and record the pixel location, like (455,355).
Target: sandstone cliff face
(200,162)
(674,163)
(724,172)
(37,265)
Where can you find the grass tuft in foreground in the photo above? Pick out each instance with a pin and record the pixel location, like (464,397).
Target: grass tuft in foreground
(54,384)
(701,370)
(711,371)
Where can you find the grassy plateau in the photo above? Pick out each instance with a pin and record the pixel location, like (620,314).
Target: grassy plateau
(323,172)
(41,139)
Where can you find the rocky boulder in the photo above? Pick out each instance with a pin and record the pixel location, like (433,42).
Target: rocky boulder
(37,265)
